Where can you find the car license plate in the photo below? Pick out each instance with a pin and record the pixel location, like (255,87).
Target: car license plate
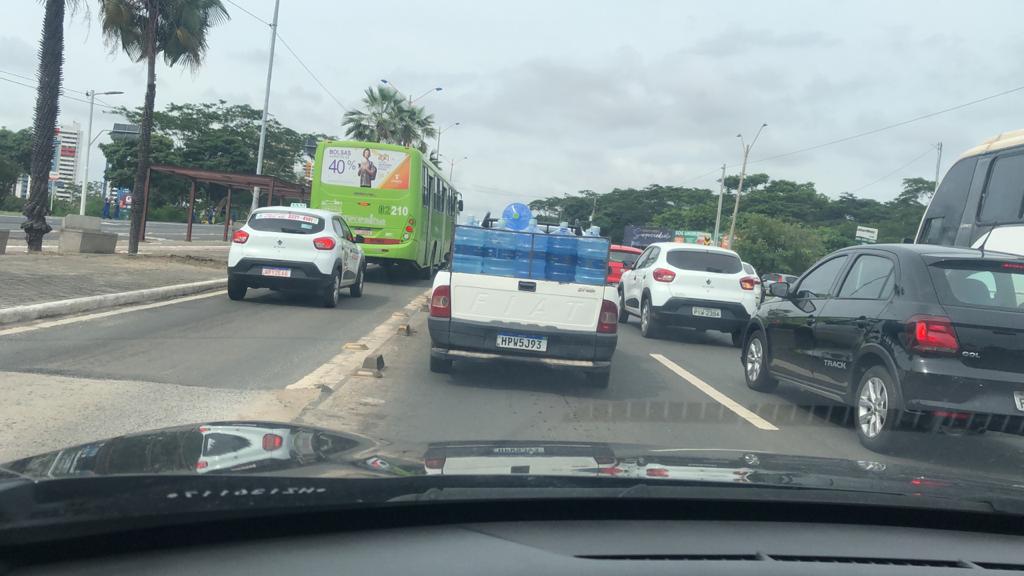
(278,272)
(707,312)
(535,343)
(1018,399)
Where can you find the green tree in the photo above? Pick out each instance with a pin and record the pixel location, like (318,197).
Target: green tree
(914,189)
(773,245)
(389,118)
(51,64)
(144,29)
(15,159)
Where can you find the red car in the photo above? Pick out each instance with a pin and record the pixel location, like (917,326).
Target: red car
(618,258)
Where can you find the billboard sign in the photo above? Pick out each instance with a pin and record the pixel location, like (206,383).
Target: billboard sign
(365,168)
(866,235)
(641,236)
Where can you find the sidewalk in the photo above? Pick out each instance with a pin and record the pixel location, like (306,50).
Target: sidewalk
(34,279)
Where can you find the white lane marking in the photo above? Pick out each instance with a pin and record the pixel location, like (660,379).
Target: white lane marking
(97,315)
(717,396)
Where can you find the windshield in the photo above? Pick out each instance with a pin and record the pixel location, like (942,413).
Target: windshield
(770,243)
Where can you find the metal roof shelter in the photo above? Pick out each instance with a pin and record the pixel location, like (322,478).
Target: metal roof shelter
(228,179)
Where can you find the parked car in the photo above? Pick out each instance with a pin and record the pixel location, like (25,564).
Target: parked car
(773,277)
(689,285)
(296,249)
(903,333)
(621,258)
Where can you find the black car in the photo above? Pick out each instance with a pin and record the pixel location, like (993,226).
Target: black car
(911,336)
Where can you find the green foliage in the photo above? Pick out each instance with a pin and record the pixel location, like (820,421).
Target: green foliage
(388,117)
(773,245)
(15,158)
(182,28)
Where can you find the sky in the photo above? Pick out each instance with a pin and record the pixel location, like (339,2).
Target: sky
(554,97)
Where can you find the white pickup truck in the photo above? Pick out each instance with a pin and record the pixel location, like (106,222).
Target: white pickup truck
(480,316)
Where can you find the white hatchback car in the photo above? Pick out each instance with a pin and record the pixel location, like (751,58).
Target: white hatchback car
(296,249)
(702,287)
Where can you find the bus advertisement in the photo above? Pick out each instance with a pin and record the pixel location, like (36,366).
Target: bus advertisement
(392,196)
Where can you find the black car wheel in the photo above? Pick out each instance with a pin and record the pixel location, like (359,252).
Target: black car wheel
(331,291)
(737,338)
(649,326)
(356,290)
(755,365)
(440,365)
(236,289)
(623,313)
(876,410)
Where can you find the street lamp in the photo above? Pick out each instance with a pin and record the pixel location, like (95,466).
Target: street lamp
(739,189)
(410,98)
(88,145)
(451,169)
(437,149)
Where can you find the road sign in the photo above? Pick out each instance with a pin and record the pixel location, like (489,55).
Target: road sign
(866,235)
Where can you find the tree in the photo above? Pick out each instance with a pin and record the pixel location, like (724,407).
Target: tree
(51,63)
(773,245)
(178,30)
(389,118)
(914,189)
(15,158)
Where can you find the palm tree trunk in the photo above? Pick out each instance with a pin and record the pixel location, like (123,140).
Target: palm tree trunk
(51,61)
(145,131)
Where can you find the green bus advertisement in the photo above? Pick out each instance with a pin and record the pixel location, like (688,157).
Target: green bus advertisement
(391,195)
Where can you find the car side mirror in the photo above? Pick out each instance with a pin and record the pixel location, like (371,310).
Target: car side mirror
(460,205)
(360,239)
(779,289)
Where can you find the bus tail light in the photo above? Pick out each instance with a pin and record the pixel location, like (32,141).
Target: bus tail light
(381,241)
(408,229)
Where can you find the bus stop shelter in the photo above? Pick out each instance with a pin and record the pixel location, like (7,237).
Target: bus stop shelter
(273,187)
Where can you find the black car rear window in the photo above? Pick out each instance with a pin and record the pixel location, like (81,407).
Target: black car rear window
(704,261)
(286,222)
(980,283)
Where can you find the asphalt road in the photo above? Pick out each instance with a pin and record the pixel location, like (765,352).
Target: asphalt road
(155,231)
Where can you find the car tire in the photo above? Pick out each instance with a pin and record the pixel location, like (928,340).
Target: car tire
(737,338)
(649,327)
(875,409)
(236,289)
(356,290)
(599,379)
(330,294)
(755,364)
(623,313)
(440,365)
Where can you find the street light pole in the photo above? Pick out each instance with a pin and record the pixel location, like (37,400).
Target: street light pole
(88,145)
(266,106)
(718,215)
(409,97)
(739,188)
(437,149)
(451,169)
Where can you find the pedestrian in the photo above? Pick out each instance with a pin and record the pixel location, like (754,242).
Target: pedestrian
(117,210)
(106,208)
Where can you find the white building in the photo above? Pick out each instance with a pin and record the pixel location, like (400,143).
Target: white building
(64,170)
(21,186)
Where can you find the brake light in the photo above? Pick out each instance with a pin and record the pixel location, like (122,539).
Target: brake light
(202,464)
(240,237)
(381,241)
(408,229)
(748,282)
(608,321)
(434,463)
(932,334)
(441,302)
(663,275)
(1012,266)
(272,441)
(324,243)
(657,472)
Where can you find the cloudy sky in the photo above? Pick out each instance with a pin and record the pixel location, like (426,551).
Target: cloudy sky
(559,96)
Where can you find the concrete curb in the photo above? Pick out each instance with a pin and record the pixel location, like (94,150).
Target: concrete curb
(90,303)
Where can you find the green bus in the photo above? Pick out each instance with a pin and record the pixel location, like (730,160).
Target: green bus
(392,196)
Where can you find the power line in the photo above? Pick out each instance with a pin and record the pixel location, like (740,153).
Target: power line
(65,96)
(30,79)
(888,174)
(311,74)
(236,5)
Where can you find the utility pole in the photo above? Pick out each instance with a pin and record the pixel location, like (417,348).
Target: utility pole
(88,145)
(721,192)
(266,105)
(938,164)
(739,189)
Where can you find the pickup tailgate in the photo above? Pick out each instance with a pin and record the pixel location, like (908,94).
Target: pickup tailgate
(541,303)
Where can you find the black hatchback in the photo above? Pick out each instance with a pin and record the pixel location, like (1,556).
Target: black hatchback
(910,336)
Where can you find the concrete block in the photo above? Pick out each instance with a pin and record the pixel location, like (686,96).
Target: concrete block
(85,242)
(77,222)
(4,236)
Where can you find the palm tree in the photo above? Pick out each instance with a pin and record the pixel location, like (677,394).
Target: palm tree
(177,29)
(51,64)
(387,117)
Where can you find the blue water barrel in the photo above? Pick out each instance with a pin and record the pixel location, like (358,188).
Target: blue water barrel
(469,249)
(561,261)
(499,252)
(591,260)
(539,263)
(524,252)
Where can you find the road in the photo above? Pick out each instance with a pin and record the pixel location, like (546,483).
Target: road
(155,231)
(202,358)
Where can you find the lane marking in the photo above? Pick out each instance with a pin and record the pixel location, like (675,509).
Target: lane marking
(715,395)
(97,315)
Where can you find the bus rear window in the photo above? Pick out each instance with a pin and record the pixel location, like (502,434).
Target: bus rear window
(984,284)
(704,261)
(286,222)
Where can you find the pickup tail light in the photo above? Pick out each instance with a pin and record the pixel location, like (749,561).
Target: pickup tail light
(240,237)
(433,463)
(272,442)
(932,334)
(441,302)
(748,282)
(324,243)
(663,275)
(608,321)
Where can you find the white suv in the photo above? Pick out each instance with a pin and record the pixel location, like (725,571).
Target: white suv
(296,249)
(702,287)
